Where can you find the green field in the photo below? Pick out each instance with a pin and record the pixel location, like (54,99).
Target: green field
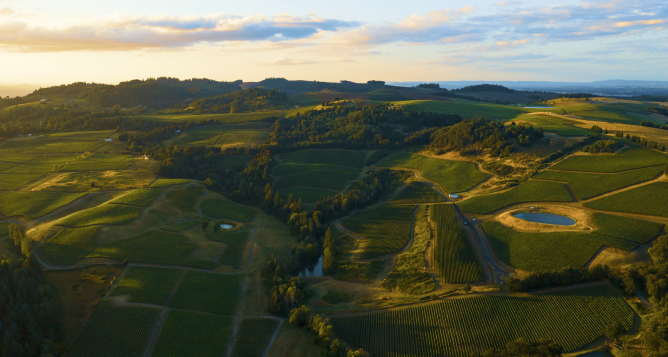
(201,136)
(386,229)
(608,113)
(254,336)
(636,230)
(142,197)
(529,191)
(233,161)
(33,204)
(384,95)
(461,327)
(207,292)
(227,209)
(453,176)
(147,285)
(588,185)
(647,200)
(307,194)
(235,241)
(328,156)
(223,118)
(417,192)
(99,134)
(453,256)
(69,246)
(116,331)
(4,228)
(98,162)
(292,167)
(408,275)
(162,183)
(188,333)
(327,180)
(627,159)
(7,161)
(468,109)
(46,145)
(9,182)
(103,214)
(41,165)
(243,138)
(548,251)
(552,124)
(154,247)
(184,226)
(185,198)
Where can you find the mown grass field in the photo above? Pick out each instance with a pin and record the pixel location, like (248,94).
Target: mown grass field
(453,256)
(208,293)
(548,251)
(408,275)
(103,214)
(9,182)
(69,246)
(588,185)
(116,331)
(386,229)
(307,194)
(163,183)
(647,200)
(529,191)
(147,285)
(253,337)
(34,204)
(627,159)
(328,156)
(328,180)
(188,333)
(227,209)
(417,192)
(142,197)
(461,327)
(636,230)
(185,198)
(453,176)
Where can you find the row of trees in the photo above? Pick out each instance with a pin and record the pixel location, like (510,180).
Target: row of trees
(642,141)
(609,146)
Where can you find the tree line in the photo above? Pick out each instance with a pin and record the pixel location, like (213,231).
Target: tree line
(248,100)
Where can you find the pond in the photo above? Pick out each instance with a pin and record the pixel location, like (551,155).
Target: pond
(547,218)
(312,271)
(226,226)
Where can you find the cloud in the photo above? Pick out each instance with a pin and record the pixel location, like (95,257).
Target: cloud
(299,62)
(6,11)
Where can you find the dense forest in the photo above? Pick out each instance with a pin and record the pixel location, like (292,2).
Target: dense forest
(248,100)
(498,138)
(484,88)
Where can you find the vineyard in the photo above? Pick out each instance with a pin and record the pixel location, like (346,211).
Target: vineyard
(529,191)
(417,192)
(142,197)
(116,331)
(453,256)
(185,198)
(548,251)
(254,336)
(226,209)
(386,229)
(189,333)
(632,229)
(328,156)
(70,245)
(640,200)
(103,214)
(213,293)
(460,327)
(235,241)
(623,160)
(147,285)
(33,204)
(588,185)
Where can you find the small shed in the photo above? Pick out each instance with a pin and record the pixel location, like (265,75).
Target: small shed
(454,195)
(108,139)
(43,101)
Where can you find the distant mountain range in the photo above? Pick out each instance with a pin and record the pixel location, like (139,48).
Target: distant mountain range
(13,90)
(609,87)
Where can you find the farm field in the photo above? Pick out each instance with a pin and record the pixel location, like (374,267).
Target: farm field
(417,192)
(40,165)
(307,194)
(185,198)
(96,134)
(103,214)
(147,285)
(9,182)
(327,180)
(99,162)
(254,336)
(552,124)
(454,258)
(227,209)
(206,292)
(645,200)
(188,333)
(293,167)
(34,204)
(69,246)
(142,197)
(627,159)
(588,185)
(468,109)
(223,118)
(635,230)
(408,275)
(608,113)
(184,226)
(7,161)
(384,95)
(235,241)
(460,327)
(48,145)
(548,251)
(386,229)
(242,138)
(453,176)
(328,156)
(163,183)
(116,331)
(529,191)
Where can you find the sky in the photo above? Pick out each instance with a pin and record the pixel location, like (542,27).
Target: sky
(50,42)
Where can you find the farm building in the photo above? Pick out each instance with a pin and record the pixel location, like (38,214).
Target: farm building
(43,101)
(108,139)
(454,195)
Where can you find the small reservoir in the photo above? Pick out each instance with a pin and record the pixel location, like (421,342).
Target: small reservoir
(312,271)
(546,218)
(226,226)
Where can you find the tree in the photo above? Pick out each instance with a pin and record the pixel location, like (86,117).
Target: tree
(117,108)
(328,262)
(467,288)
(205,225)
(665,170)
(613,331)
(216,227)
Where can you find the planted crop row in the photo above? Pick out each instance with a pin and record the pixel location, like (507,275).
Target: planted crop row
(453,255)
(417,192)
(636,230)
(648,200)
(461,327)
(386,229)
(254,336)
(529,191)
(627,159)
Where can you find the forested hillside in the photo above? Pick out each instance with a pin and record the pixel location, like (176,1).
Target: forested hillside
(244,101)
